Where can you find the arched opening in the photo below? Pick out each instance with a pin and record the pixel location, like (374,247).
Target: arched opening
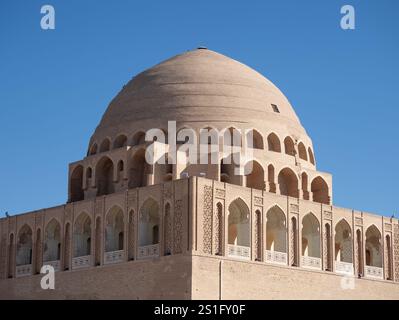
(219,230)
(82,236)
(105,145)
(320,191)
(24,251)
(273,143)
(302,152)
(289,146)
(271,179)
(294,242)
(11,255)
(168,236)
(343,242)
(139,170)
(239,229)
(388,257)
(93,149)
(231,138)
(373,247)
(67,250)
(227,171)
(311,242)
(311,156)
(131,236)
(288,183)
(120,141)
(149,229)
(255,175)
(257,139)
(76,184)
(138,138)
(114,230)
(276,236)
(104,176)
(305,187)
(97,243)
(52,241)
(359,254)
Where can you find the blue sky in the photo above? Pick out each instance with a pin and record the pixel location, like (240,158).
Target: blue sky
(55,85)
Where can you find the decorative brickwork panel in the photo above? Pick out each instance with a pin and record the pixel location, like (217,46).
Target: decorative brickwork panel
(328,215)
(168,231)
(258,234)
(220,193)
(178,227)
(218,229)
(207,222)
(131,199)
(131,235)
(258,201)
(167,192)
(294,208)
(359,221)
(99,207)
(396,251)
(293,243)
(388,227)
(327,247)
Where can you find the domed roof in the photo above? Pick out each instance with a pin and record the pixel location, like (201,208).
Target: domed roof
(198,88)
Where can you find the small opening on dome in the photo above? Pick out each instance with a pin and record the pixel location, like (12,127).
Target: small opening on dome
(275,108)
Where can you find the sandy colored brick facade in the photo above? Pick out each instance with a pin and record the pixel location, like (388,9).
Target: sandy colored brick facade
(138,230)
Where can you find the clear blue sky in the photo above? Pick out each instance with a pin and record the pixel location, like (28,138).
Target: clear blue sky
(55,85)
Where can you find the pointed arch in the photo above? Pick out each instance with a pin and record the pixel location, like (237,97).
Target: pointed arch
(255,175)
(105,145)
(320,190)
(310,236)
(105,176)
(343,242)
(289,146)
(93,149)
(149,223)
(273,143)
(302,151)
(288,182)
(114,230)
(76,184)
(373,247)
(257,139)
(276,230)
(24,246)
(52,241)
(139,170)
(82,235)
(238,220)
(120,141)
(138,138)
